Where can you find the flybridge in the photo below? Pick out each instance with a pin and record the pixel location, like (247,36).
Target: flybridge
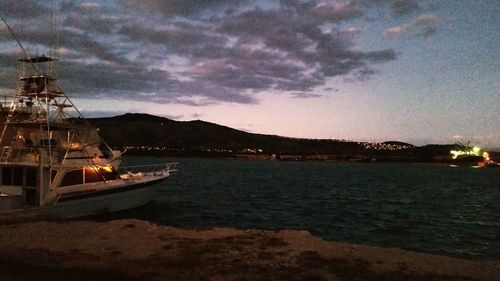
(38,76)
(54,164)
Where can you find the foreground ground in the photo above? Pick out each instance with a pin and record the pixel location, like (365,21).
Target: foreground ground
(139,250)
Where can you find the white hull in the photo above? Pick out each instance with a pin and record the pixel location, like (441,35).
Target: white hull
(102,204)
(128,196)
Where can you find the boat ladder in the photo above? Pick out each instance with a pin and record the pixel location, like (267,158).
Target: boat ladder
(6,154)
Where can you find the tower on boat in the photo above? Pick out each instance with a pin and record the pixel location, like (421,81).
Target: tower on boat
(53,163)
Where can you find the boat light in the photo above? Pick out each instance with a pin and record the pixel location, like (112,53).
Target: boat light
(107,168)
(486,156)
(475,151)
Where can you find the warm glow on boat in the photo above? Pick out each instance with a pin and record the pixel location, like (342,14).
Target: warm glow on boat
(474,151)
(74,145)
(486,156)
(107,168)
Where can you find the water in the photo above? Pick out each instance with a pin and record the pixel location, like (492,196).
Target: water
(452,211)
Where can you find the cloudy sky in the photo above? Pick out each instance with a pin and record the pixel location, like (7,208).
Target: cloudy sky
(365,70)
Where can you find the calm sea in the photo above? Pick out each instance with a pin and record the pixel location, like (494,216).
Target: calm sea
(452,211)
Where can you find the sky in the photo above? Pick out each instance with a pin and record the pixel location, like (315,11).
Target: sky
(408,70)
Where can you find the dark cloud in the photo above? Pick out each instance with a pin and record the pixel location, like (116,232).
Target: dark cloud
(23,9)
(298,38)
(86,46)
(299,5)
(404,7)
(8,65)
(172,8)
(204,52)
(90,22)
(177,37)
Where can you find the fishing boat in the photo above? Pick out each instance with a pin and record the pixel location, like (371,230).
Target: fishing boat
(53,163)
(467,155)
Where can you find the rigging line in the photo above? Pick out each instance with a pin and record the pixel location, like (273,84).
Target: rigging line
(31,62)
(49,137)
(20,45)
(32,65)
(84,149)
(36,71)
(11,109)
(51,25)
(15,37)
(85,121)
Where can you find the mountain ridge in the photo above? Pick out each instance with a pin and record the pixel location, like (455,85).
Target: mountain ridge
(147,134)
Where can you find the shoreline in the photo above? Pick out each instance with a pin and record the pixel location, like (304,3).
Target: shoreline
(320,158)
(139,250)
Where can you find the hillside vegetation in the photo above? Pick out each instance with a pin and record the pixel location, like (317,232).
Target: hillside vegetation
(148,134)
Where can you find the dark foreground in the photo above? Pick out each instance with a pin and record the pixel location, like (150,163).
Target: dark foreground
(138,250)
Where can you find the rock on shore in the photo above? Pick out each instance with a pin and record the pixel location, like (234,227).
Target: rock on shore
(139,250)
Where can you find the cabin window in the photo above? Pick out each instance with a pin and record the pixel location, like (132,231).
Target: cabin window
(109,173)
(31,175)
(17,176)
(12,176)
(72,178)
(91,175)
(6,175)
(97,174)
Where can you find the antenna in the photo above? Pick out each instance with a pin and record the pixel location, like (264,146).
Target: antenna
(51,24)
(54,32)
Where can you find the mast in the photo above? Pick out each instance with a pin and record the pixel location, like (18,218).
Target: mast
(38,100)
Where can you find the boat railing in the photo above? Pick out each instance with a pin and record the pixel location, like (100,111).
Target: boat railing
(152,168)
(20,105)
(15,154)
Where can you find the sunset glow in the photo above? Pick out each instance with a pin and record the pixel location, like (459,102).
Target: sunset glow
(415,71)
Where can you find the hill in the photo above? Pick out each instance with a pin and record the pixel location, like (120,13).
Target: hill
(148,134)
(135,130)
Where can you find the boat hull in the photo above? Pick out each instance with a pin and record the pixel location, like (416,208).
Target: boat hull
(128,196)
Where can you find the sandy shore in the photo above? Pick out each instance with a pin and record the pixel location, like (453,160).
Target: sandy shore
(139,250)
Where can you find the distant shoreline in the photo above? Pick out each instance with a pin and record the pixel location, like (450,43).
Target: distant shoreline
(445,160)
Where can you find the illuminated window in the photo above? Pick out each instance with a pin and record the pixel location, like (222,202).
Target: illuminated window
(100,173)
(91,175)
(109,173)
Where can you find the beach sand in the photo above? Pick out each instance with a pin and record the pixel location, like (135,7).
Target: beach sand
(140,250)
